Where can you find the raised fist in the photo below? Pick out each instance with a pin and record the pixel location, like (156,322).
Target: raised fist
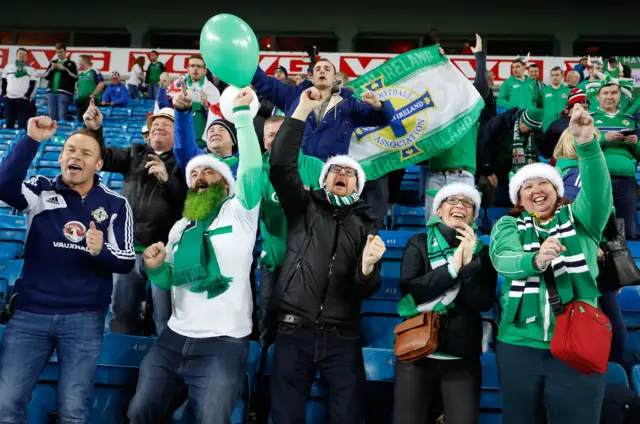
(154,255)
(92,117)
(41,128)
(371,98)
(311,98)
(373,250)
(581,125)
(243,98)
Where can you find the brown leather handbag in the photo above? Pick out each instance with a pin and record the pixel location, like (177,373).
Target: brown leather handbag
(417,338)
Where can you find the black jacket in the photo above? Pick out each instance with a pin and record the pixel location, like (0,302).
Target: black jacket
(156,207)
(68,77)
(321,277)
(460,331)
(552,136)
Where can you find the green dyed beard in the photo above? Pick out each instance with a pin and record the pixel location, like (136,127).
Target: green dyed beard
(198,206)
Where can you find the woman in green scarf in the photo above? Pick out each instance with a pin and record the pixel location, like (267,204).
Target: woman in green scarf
(544,230)
(448,271)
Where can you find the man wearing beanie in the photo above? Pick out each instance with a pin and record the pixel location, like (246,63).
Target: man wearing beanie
(548,142)
(220,135)
(519,90)
(206,265)
(331,264)
(116,94)
(280,73)
(507,143)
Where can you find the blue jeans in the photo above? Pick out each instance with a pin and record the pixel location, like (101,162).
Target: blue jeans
(625,199)
(436,181)
(28,342)
(128,292)
(537,388)
(152,91)
(58,104)
(609,304)
(134,91)
(337,353)
(212,369)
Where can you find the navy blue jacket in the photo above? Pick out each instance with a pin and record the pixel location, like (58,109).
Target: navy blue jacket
(59,274)
(332,135)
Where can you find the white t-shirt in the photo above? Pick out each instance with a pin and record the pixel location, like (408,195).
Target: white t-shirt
(193,315)
(18,87)
(136,77)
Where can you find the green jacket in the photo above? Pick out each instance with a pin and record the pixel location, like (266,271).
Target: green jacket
(461,155)
(634,107)
(554,100)
(591,87)
(590,212)
(516,93)
(622,157)
(273,224)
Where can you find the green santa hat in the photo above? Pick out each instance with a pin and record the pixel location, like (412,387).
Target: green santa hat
(532,119)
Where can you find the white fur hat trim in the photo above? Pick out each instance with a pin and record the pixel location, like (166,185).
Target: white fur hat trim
(215,164)
(454,190)
(344,160)
(535,170)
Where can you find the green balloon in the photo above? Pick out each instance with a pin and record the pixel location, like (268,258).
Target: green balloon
(230,49)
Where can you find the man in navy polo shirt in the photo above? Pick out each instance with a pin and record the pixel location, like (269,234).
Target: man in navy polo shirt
(79,233)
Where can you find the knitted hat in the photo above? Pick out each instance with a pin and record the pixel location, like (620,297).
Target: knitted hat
(344,160)
(576,95)
(457,189)
(227,125)
(166,112)
(535,170)
(281,68)
(116,75)
(211,161)
(532,119)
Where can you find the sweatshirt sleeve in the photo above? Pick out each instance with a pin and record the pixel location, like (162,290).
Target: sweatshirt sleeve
(593,204)
(123,99)
(507,252)
(185,147)
(107,95)
(277,92)
(118,252)
(250,166)
(13,170)
(480,82)
(365,115)
(503,96)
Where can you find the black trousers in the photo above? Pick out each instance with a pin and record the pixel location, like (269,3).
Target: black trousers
(17,110)
(417,384)
(268,312)
(81,107)
(376,195)
(337,353)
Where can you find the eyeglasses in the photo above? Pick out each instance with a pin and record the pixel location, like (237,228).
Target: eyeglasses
(336,169)
(454,201)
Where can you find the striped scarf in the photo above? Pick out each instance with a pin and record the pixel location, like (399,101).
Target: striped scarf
(570,268)
(340,201)
(524,152)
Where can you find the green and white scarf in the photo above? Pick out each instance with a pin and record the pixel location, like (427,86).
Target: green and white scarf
(21,70)
(439,254)
(524,151)
(195,103)
(570,268)
(340,201)
(195,259)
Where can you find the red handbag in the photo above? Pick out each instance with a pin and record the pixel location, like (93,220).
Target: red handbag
(582,338)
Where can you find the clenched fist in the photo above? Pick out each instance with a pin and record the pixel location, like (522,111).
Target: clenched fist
(371,98)
(41,128)
(243,98)
(581,125)
(92,117)
(95,239)
(372,253)
(155,255)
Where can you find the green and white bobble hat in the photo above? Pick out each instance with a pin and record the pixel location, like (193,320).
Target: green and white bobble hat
(348,161)
(456,189)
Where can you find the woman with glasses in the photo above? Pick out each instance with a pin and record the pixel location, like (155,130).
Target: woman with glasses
(446,270)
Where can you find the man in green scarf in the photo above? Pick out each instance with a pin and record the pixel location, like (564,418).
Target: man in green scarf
(19,82)
(273,228)
(206,265)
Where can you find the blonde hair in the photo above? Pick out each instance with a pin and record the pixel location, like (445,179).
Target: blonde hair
(566,148)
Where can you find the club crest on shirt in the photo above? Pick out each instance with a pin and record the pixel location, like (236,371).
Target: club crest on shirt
(74,231)
(99,214)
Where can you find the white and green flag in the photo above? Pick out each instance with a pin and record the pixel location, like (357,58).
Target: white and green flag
(435,105)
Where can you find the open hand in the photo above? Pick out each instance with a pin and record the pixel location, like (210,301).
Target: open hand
(41,128)
(92,117)
(95,239)
(632,139)
(156,167)
(154,255)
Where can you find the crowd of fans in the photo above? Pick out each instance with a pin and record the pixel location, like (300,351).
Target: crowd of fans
(199,191)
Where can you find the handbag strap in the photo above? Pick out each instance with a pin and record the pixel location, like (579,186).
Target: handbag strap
(554,297)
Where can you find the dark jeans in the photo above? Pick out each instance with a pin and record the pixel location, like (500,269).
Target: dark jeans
(134,91)
(128,292)
(152,91)
(337,353)
(376,195)
(212,369)
(609,304)
(28,341)
(417,384)
(81,107)
(537,388)
(58,104)
(17,110)
(268,313)
(625,199)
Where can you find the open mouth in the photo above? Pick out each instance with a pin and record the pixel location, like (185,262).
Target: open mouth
(200,184)
(458,215)
(340,184)
(74,169)
(539,199)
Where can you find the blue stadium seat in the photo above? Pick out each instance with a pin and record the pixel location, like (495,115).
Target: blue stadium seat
(48,172)
(50,156)
(66,126)
(490,391)
(494,214)
(137,140)
(13,233)
(5,209)
(10,134)
(379,364)
(54,144)
(616,375)
(407,217)
(117,141)
(412,186)
(10,271)
(634,247)
(635,379)
(120,111)
(140,111)
(378,318)
(629,301)
(395,241)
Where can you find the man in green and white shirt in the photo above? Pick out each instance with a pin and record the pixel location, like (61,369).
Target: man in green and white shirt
(554,98)
(90,85)
(19,82)
(206,265)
